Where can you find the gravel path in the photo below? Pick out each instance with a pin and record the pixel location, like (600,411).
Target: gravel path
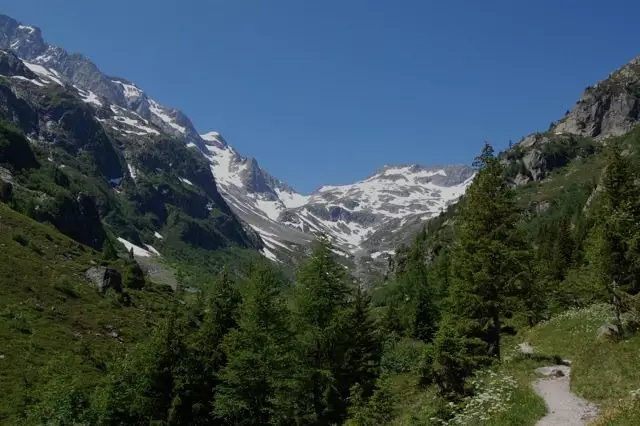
(564,407)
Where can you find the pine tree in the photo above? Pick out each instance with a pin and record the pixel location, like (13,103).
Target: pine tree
(256,384)
(356,353)
(620,229)
(391,322)
(452,358)
(487,255)
(414,295)
(141,388)
(374,411)
(424,310)
(199,370)
(321,297)
(108,251)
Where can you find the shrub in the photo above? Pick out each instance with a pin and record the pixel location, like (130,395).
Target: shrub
(401,356)
(19,238)
(134,277)
(6,191)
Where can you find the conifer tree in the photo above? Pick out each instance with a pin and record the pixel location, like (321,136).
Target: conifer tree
(356,353)
(487,254)
(321,296)
(256,384)
(200,370)
(142,388)
(619,247)
(414,294)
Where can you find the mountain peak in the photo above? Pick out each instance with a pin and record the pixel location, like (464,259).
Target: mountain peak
(214,138)
(607,108)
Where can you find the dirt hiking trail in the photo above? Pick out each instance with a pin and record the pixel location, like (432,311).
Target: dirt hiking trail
(564,407)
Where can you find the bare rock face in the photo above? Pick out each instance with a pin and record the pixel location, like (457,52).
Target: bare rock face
(104,278)
(610,108)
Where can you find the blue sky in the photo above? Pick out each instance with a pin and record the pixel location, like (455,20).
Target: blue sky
(325,92)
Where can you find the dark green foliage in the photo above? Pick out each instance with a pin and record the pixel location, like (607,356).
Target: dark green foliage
(402,355)
(616,247)
(108,251)
(134,276)
(413,301)
(208,356)
(339,345)
(143,387)
(14,149)
(487,256)
(256,385)
(356,352)
(377,410)
(452,358)
(6,191)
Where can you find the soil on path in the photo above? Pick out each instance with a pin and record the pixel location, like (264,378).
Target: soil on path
(564,407)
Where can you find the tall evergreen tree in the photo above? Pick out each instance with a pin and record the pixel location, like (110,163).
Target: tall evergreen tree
(487,254)
(356,353)
(620,230)
(256,384)
(199,370)
(321,296)
(142,388)
(414,294)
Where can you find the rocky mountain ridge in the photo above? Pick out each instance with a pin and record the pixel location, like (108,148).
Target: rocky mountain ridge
(285,219)
(609,108)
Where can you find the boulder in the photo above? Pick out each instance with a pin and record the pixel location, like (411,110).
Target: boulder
(525,348)
(104,278)
(608,332)
(554,371)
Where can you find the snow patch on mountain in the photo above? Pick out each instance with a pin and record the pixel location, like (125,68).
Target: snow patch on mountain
(272,208)
(158,111)
(137,250)
(227,166)
(20,77)
(89,97)
(270,255)
(26,28)
(290,199)
(46,73)
(129,91)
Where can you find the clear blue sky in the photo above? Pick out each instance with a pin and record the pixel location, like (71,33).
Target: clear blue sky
(325,92)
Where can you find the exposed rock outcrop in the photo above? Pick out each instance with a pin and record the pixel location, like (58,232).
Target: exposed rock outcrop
(610,108)
(104,278)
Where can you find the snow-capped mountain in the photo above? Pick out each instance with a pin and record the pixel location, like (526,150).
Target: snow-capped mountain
(349,214)
(394,195)
(286,220)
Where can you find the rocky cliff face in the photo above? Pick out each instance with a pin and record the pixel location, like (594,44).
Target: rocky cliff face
(610,108)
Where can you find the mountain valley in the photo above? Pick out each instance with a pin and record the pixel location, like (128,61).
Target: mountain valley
(153,274)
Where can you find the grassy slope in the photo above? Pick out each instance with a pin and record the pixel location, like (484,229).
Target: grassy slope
(604,372)
(48,312)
